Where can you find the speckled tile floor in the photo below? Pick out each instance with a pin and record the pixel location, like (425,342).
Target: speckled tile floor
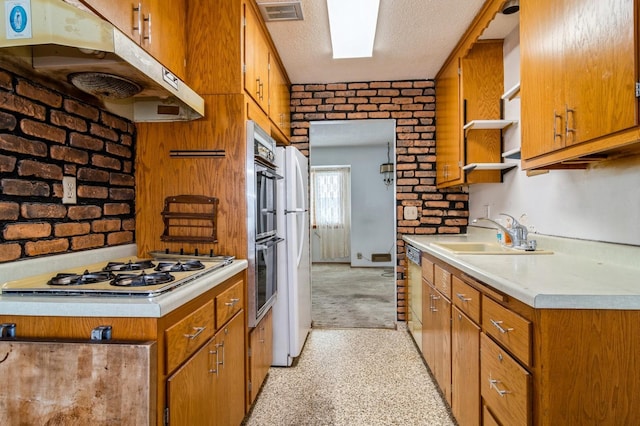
(352,377)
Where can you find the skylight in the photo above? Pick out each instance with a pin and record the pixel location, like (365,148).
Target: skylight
(353,27)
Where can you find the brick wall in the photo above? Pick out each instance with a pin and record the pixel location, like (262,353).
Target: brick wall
(412,105)
(45,135)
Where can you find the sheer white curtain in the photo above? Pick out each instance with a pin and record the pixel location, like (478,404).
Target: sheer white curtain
(331,209)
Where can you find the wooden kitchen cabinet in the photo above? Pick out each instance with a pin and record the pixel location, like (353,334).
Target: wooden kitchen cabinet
(279,99)
(180,363)
(261,348)
(160,29)
(579,67)
(536,366)
(256,59)
(469,88)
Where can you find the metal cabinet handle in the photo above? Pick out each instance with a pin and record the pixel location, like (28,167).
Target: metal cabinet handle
(556,116)
(568,129)
(461,297)
(147,37)
(220,345)
(433,305)
(196,334)
(493,383)
(232,302)
(497,325)
(137,23)
(214,370)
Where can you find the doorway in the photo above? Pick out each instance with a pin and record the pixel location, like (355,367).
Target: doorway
(358,288)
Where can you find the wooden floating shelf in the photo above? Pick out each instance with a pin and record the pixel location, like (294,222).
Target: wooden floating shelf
(512,93)
(513,154)
(487,125)
(488,166)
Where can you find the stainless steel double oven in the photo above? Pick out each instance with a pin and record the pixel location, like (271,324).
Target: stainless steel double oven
(261,214)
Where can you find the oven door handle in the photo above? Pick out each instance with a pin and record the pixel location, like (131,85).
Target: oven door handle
(268,244)
(268,173)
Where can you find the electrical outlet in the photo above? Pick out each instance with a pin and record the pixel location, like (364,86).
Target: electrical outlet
(69,194)
(359,255)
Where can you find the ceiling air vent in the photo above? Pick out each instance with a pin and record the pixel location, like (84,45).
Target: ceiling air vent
(281,11)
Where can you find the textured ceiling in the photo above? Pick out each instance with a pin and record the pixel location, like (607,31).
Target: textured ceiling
(413,39)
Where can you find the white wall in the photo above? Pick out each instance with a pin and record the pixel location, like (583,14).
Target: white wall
(372,202)
(601,203)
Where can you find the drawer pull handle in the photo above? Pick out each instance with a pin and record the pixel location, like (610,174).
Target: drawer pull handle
(499,327)
(493,383)
(196,334)
(232,302)
(464,299)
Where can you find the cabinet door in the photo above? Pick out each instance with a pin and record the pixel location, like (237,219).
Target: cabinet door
(442,344)
(428,325)
(190,390)
(465,369)
(164,34)
(279,99)
(261,352)
(599,68)
(230,394)
(448,136)
(126,15)
(256,59)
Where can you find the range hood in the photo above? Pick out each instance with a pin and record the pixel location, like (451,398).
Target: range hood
(69,44)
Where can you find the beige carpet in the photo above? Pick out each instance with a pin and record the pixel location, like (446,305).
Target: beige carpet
(346,297)
(357,377)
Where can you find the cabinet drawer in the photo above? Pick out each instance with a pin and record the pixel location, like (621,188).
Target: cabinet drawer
(466,298)
(487,417)
(442,280)
(187,335)
(504,385)
(508,328)
(228,303)
(427,269)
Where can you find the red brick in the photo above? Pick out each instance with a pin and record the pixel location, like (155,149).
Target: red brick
(7,164)
(7,121)
(76,107)
(23,146)
(40,94)
(424,84)
(69,154)
(103,161)
(87,242)
(357,100)
(106,225)
(79,140)
(129,225)
(122,194)
(380,84)
(43,131)
(26,231)
(99,192)
(43,210)
(315,87)
(118,150)
(340,100)
(337,116)
(121,179)
(6,80)
(11,102)
(63,119)
(24,188)
(366,107)
(402,84)
(84,212)
(117,238)
(103,132)
(356,86)
(357,116)
(337,86)
(379,115)
(10,251)
(114,122)
(112,209)
(71,229)
(39,169)
(9,211)
(126,140)
(87,174)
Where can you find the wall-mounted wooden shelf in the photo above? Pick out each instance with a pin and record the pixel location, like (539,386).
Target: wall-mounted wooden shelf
(513,154)
(489,166)
(487,125)
(512,93)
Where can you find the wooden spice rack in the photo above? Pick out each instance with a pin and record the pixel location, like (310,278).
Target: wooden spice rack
(190,219)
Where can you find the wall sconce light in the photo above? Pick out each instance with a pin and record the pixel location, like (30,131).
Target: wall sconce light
(386,169)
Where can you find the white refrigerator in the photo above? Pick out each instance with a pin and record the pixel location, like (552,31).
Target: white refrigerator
(292,308)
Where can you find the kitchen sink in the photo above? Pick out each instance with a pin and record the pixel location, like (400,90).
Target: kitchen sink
(484,248)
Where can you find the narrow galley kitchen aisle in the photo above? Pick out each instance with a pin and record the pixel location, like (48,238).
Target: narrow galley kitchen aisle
(352,377)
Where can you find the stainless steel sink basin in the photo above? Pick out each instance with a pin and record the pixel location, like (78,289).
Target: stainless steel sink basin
(484,248)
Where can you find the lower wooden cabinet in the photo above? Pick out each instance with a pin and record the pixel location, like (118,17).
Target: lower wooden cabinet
(436,337)
(261,350)
(465,369)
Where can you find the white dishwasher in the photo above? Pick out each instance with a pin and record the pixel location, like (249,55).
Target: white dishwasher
(414,283)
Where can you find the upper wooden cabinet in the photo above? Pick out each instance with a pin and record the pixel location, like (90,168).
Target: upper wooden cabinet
(578,81)
(280,99)
(159,29)
(469,91)
(256,59)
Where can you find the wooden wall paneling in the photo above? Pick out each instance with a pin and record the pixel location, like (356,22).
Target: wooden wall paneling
(215,40)
(159,176)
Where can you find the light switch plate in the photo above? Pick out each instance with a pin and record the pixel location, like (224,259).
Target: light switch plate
(69,194)
(410,213)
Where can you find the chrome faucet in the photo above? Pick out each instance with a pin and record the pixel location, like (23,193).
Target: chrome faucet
(518,233)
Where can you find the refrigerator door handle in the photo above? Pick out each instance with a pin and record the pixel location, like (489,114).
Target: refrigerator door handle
(296,211)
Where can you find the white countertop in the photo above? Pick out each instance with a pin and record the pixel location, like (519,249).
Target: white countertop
(139,307)
(578,275)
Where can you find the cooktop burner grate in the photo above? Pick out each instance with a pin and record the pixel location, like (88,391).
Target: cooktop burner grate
(129,266)
(142,279)
(189,265)
(86,277)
